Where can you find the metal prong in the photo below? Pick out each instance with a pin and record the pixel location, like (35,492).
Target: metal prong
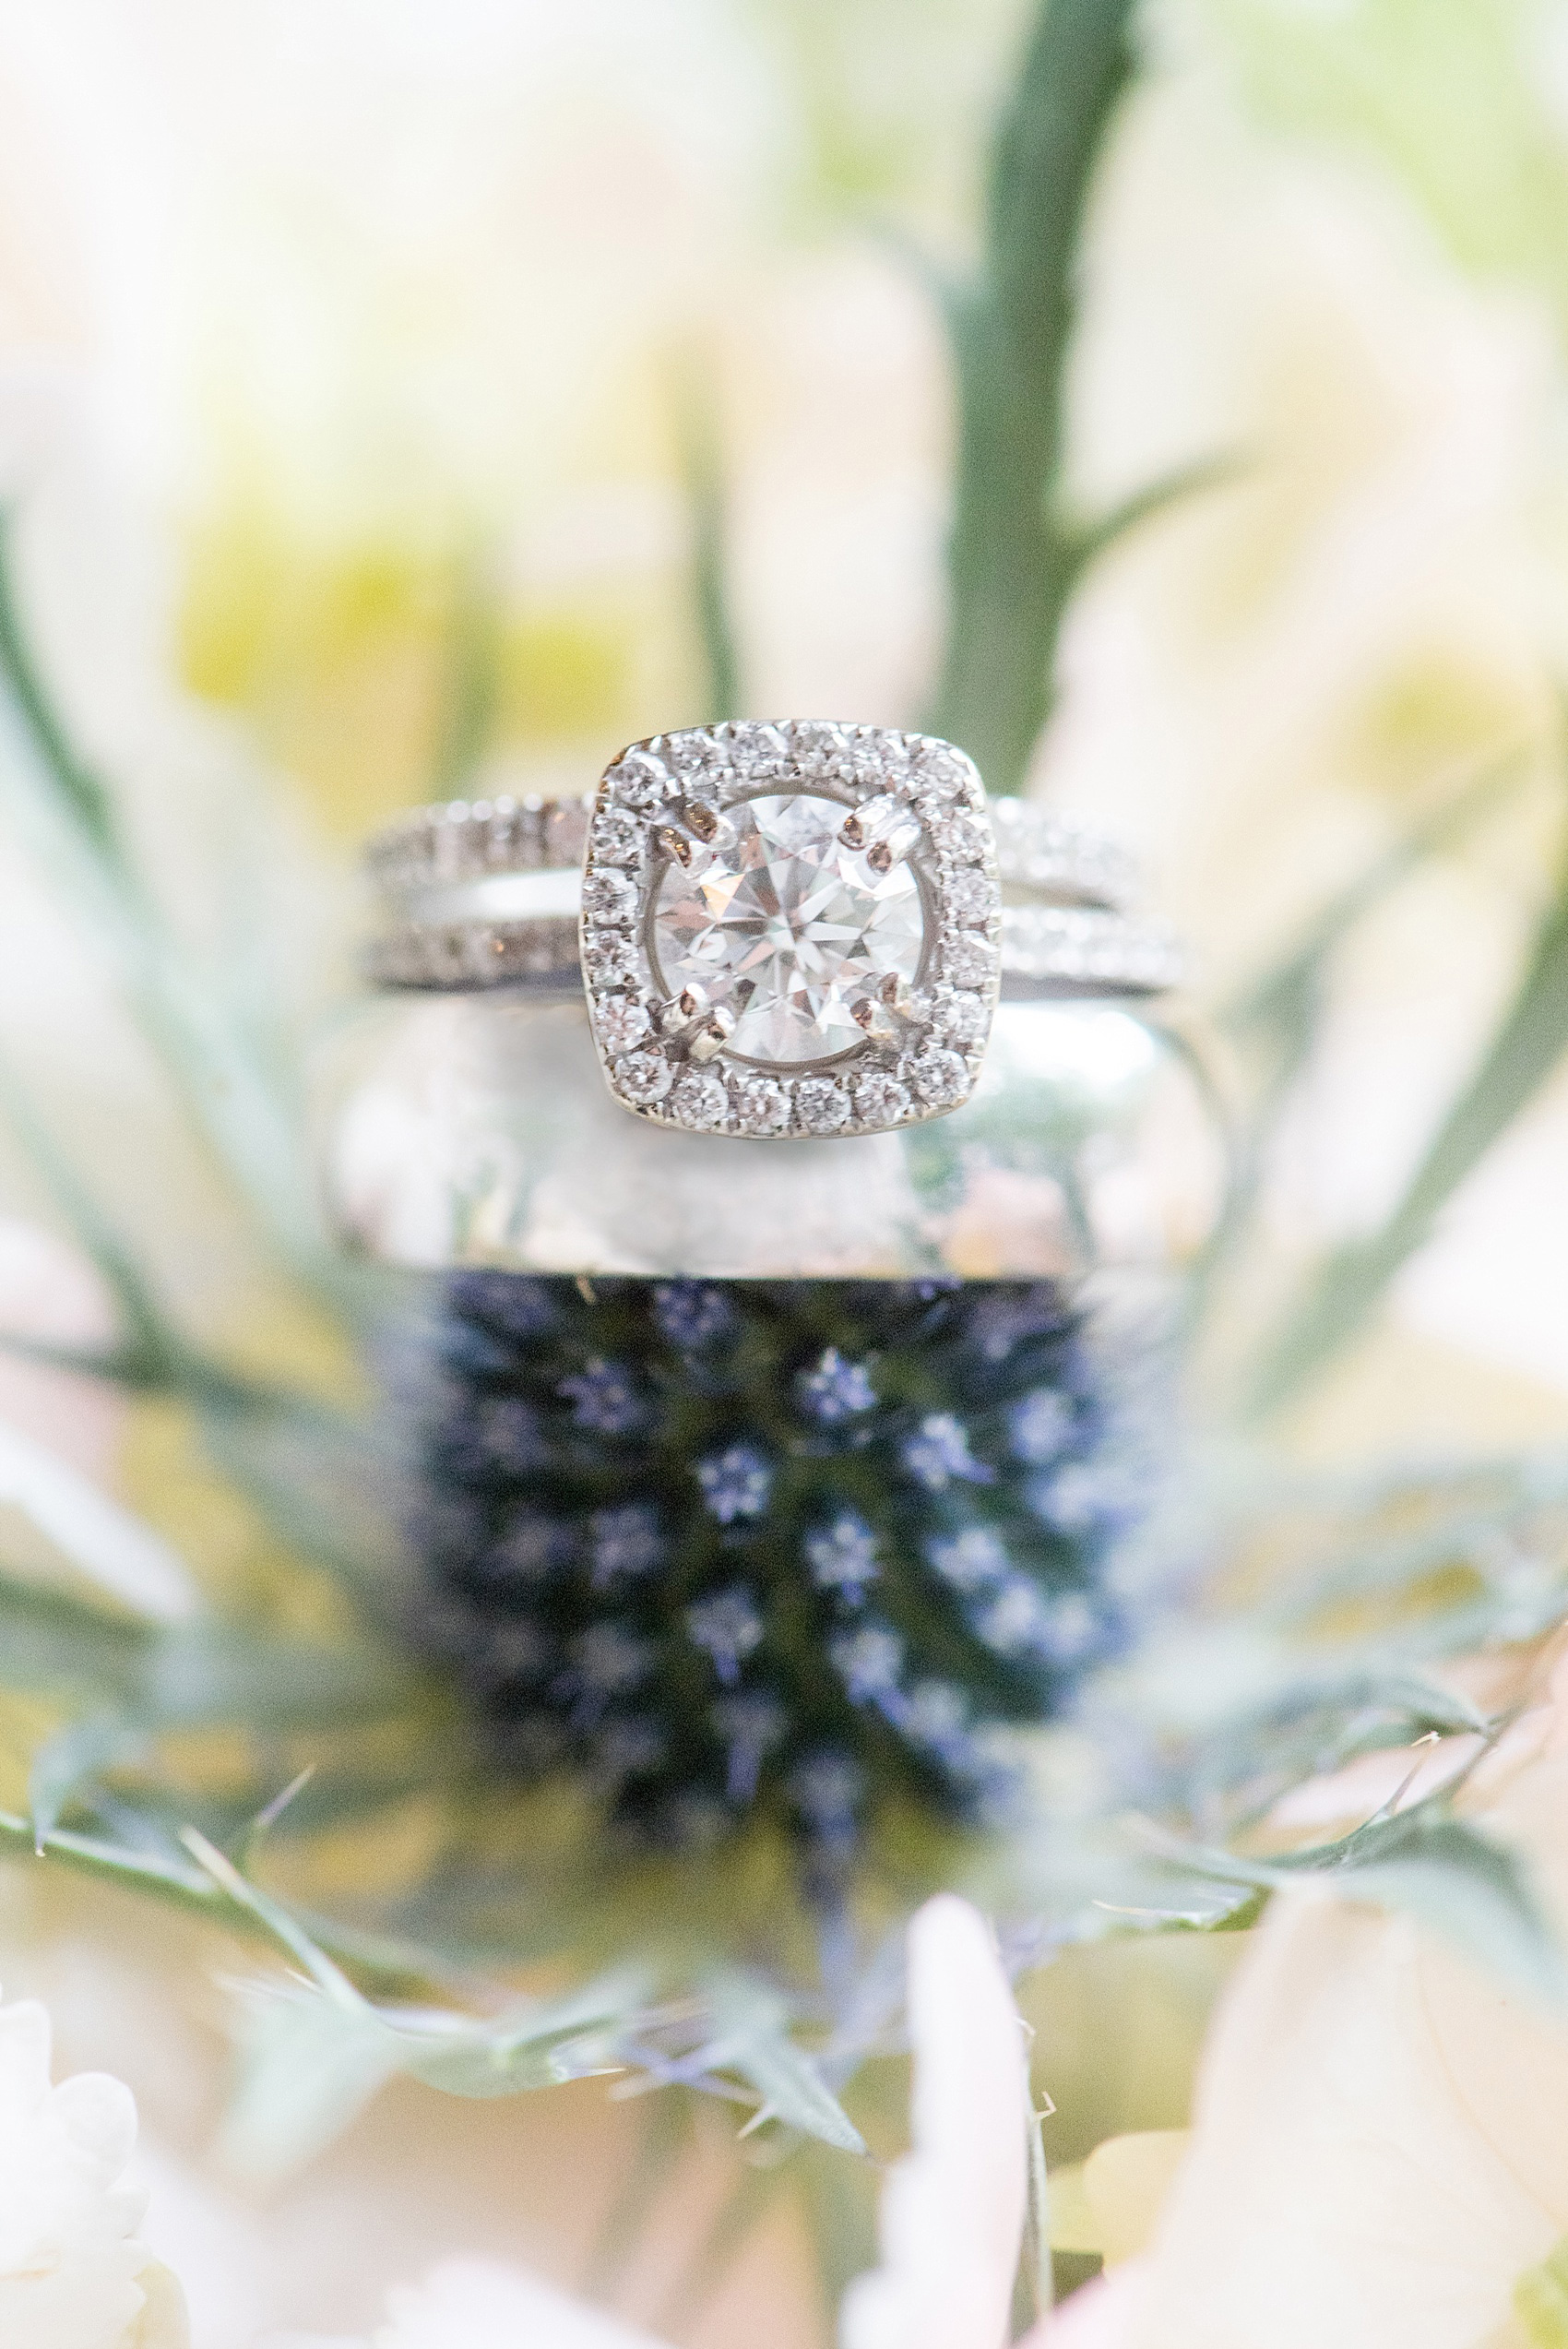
(683,1010)
(883,828)
(889,1009)
(700,819)
(712,1036)
(670,842)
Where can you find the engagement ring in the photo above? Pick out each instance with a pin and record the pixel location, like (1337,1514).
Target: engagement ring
(782,930)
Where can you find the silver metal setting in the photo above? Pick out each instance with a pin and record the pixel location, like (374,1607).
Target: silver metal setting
(943,904)
(884,833)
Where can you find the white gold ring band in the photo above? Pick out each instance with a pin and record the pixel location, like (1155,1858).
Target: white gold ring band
(790,929)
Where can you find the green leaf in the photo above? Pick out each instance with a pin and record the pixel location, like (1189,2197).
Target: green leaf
(219,1674)
(1525,1049)
(751,2037)
(80,1751)
(539,2047)
(1010,569)
(1442,1871)
(1475,1894)
(308,2066)
(81,794)
(52,1640)
(1087,542)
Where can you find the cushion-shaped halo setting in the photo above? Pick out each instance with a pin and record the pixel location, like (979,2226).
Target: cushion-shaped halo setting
(790,931)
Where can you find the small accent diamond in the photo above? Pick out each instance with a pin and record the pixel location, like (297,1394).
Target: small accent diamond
(623,1022)
(966,1020)
(639,782)
(700,1101)
(762,1108)
(822,1106)
(943,771)
(610,896)
(617,839)
(645,1077)
(881,1101)
(610,957)
(941,1077)
(971,898)
(960,835)
(818,748)
(968,963)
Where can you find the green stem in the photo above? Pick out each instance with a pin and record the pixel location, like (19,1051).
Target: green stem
(707,504)
(193,1892)
(1528,1047)
(249,1129)
(1012,565)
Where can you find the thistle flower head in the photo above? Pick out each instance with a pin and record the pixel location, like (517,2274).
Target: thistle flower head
(768,1547)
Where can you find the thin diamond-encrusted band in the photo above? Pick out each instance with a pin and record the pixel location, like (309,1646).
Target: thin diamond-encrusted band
(1045,948)
(484,894)
(461,842)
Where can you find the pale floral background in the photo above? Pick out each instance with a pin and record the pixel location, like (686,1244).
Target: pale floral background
(332,332)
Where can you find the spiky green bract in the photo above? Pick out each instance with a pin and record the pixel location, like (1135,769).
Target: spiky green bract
(787,1547)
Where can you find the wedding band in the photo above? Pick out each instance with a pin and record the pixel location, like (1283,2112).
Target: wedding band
(787,930)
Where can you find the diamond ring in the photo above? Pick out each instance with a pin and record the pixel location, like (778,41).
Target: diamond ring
(793,929)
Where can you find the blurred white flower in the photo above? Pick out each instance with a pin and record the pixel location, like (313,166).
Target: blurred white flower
(953,2210)
(73,2274)
(1380,2149)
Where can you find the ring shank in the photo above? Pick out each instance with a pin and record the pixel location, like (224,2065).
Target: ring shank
(486,894)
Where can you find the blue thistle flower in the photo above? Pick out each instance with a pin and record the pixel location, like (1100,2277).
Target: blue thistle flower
(626,1542)
(736,1482)
(1042,1427)
(939,1454)
(749,1724)
(971,1560)
(769,1547)
(693,1315)
(869,1661)
(727,1627)
(603,1398)
(835,1389)
(842,1556)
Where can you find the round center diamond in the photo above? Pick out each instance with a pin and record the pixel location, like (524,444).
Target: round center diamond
(786,927)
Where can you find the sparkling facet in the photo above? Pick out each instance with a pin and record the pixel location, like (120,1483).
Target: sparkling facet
(787,928)
(640,783)
(623,1022)
(881,1101)
(609,956)
(644,1076)
(966,1020)
(617,839)
(968,963)
(609,895)
(821,1105)
(701,1101)
(762,1108)
(970,897)
(941,1078)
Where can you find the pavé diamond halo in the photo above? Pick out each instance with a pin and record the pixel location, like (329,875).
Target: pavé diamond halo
(790,930)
